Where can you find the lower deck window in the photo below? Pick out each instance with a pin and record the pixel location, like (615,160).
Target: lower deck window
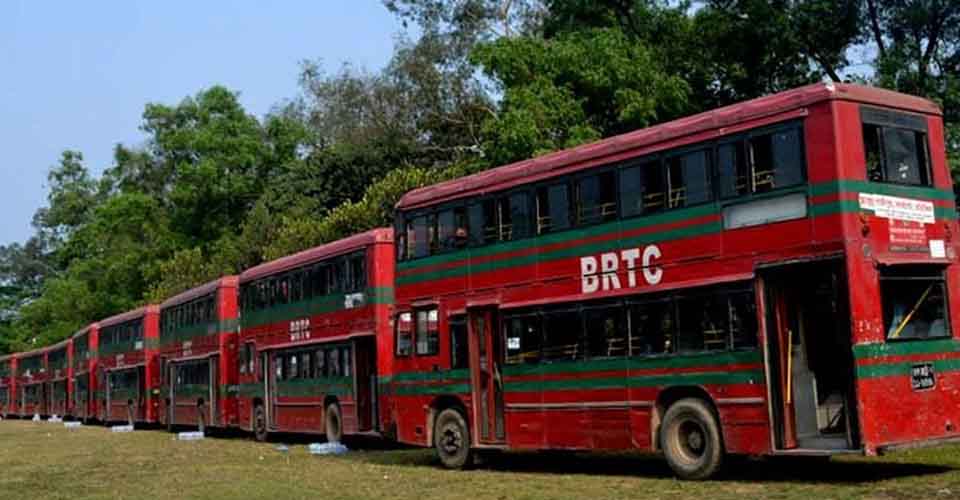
(914,303)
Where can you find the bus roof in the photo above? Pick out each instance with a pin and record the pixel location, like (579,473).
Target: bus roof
(127,316)
(588,155)
(200,291)
(332,249)
(60,345)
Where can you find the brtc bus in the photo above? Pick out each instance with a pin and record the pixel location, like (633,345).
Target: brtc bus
(128,372)
(84,375)
(8,385)
(31,383)
(198,345)
(60,367)
(310,331)
(767,278)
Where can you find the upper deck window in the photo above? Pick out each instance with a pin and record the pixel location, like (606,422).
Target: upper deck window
(596,198)
(553,208)
(895,147)
(761,162)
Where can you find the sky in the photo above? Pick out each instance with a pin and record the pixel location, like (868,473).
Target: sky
(76,75)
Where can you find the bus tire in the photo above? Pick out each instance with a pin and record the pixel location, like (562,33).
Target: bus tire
(260,423)
(451,438)
(201,419)
(691,439)
(333,421)
(130,414)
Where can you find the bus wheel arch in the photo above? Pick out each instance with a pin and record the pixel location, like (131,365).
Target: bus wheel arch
(689,433)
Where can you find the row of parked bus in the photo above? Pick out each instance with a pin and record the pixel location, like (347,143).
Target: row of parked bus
(774,277)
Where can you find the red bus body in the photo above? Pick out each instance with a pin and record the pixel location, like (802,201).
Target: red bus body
(59,388)
(198,345)
(31,382)
(84,376)
(821,248)
(127,370)
(313,342)
(8,385)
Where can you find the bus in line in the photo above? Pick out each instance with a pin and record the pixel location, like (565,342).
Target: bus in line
(8,385)
(84,386)
(128,372)
(60,368)
(312,327)
(31,384)
(198,345)
(766,278)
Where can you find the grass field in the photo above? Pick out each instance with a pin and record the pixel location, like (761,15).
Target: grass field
(41,460)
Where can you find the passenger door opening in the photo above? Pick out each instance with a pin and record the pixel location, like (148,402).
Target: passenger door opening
(486,381)
(810,362)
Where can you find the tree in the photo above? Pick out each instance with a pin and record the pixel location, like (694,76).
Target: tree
(552,100)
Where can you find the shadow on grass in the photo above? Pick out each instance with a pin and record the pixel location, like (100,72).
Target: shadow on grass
(772,469)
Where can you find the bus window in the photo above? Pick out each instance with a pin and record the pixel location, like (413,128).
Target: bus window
(553,208)
(523,339)
(914,303)
(459,350)
(703,323)
(447,230)
(427,336)
(561,329)
(688,177)
(733,169)
(777,160)
(305,368)
(420,241)
(347,361)
(515,216)
(404,345)
(596,198)
(653,187)
(895,147)
(606,331)
(358,272)
(333,362)
(319,363)
(743,320)
(652,327)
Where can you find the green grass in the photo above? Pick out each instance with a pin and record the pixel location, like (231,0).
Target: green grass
(41,460)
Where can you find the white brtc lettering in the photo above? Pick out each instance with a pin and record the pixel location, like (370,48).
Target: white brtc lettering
(603,272)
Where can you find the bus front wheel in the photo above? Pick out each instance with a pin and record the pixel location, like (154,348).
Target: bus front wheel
(334,423)
(691,439)
(451,438)
(259,423)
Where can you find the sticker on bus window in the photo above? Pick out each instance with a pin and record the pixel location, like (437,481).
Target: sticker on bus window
(513,343)
(938,249)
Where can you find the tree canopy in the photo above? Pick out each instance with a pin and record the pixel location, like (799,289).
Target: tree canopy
(213,189)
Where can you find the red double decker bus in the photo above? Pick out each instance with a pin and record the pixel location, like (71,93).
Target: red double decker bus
(198,345)
(31,383)
(8,385)
(60,368)
(84,375)
(128,371)
(766,278)
(310,331)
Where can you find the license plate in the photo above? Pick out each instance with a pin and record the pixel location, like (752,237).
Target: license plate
(922,377)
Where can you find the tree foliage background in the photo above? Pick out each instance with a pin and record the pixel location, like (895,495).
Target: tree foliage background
(213,190)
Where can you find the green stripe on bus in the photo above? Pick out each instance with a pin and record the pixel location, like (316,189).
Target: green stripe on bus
(626,381)
(565,236)
(906,348)
(317,305)
(315,387)
(849,186)
(903,369)
(446,375)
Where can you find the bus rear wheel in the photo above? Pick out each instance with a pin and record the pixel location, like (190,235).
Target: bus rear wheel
(334,423)
(451,438)
(691,440)
(260,423)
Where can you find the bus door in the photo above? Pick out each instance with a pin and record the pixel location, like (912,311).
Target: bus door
(810,357)
(365,369)
(486,381)
(272,365)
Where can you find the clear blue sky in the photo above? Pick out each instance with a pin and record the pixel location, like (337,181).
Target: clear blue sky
(76,75)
